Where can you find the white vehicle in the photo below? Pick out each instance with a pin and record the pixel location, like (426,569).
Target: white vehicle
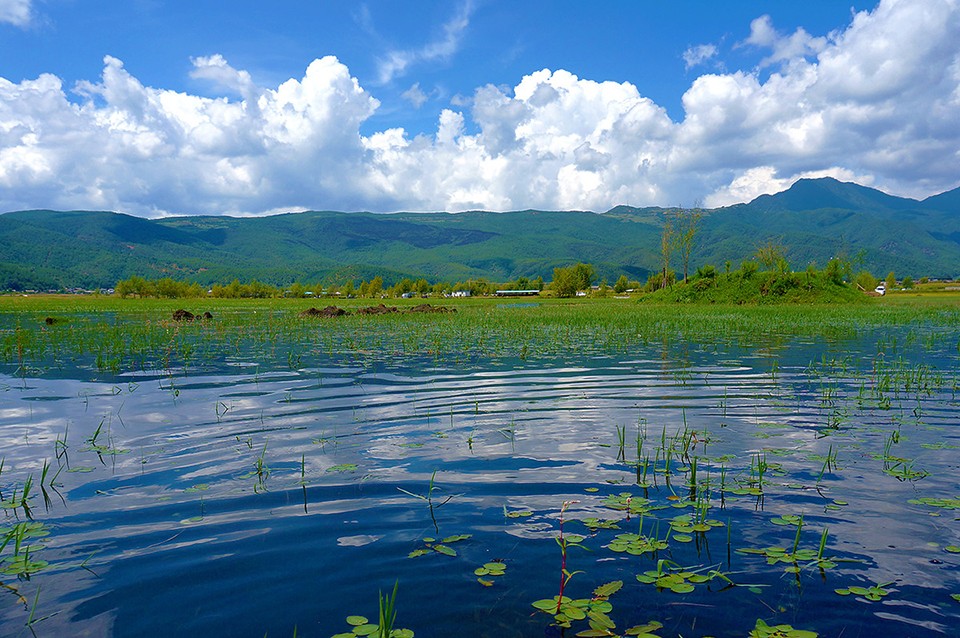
(881,289)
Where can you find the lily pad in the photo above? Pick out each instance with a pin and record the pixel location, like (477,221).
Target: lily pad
(763,630)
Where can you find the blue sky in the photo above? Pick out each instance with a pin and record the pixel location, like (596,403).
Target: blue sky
(157,108)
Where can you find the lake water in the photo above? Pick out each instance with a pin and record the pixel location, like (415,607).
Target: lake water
(237,498)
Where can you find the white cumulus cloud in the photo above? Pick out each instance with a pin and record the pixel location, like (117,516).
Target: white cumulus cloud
(697,55)
(783,47)
(16,12)
(215,70)
(877,102)
(415,96)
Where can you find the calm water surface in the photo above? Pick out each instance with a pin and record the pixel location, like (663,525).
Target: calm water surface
(236,499)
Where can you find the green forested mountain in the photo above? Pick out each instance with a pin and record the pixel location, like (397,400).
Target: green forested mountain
(814,220)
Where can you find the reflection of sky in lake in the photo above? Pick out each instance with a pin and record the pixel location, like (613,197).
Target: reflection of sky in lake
(238,501)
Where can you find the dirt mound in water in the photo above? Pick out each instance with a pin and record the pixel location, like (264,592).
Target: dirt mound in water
(329,311)
(425,307)
(377,310)
(334,311)
(186,315)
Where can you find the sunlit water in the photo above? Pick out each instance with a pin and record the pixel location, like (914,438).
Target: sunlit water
(236,500)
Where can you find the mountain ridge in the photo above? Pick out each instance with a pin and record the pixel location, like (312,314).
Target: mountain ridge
(814,219)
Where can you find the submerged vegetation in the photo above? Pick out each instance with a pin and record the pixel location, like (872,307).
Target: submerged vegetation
(114,334)
(574,466)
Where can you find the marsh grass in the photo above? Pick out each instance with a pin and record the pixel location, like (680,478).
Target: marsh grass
(109,335)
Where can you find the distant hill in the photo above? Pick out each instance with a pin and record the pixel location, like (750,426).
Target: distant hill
(815,219)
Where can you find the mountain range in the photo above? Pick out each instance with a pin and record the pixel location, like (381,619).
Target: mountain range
(814,220)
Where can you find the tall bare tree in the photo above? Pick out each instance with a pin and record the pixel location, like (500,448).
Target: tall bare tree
(666,247)
(687,224)
(773,256)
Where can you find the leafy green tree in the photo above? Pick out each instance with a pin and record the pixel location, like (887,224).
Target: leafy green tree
(123,288)
(621,285)
(907,282)
(481,286)
(233,289)
(836,270)
(376,286)
(476,287)
(584,274)
(891,280)
(706,271)
(402,287)
(260,290)
(167,288)
(865,281)
(748,269)
(567,281)
(564,282)
(656,281)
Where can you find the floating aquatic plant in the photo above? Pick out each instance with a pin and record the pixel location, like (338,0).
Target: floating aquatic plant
(763,630)
(492,569)
(384,628)
(431,544)
(636,544)
(595,524)
(680,580)
(942,503)
(627,502)
(873,593)
(595,610)
(22,540)
(343,467)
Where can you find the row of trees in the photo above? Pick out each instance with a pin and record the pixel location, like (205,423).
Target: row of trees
(167,288)
(678,236)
